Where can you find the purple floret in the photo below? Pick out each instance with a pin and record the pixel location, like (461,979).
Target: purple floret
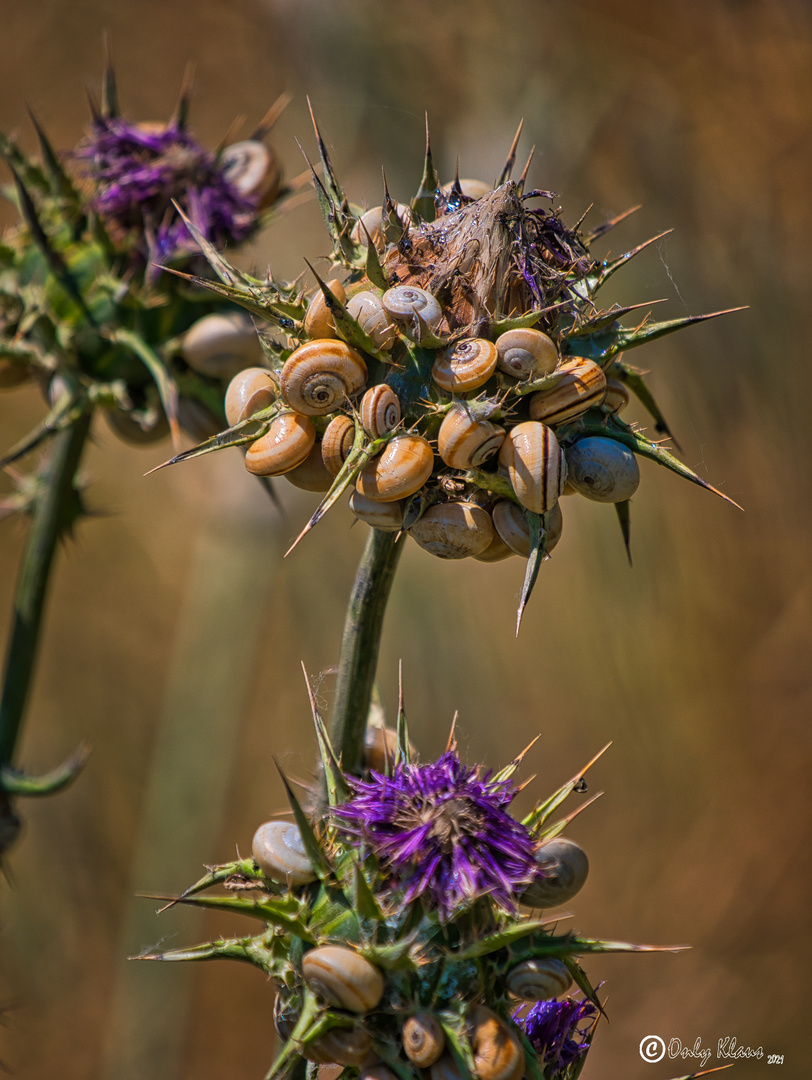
(553,1031)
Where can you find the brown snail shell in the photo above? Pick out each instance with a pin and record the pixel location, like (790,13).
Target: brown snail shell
(318,322)
(286,444)
(539,979)
(345,1046)
(453,530)
(343,978)
(603,470)
(423,1039)
(400,470)
(464,442)
(386,516)
(496,551)
(582,385)
(280,854)
(368,311)
(252,169)
(415,310)
(498,1054)
(512,527)
(536,465)
(565,867)
(248,392)
(445,1068)
(617,396)
(465,366)
(381,743)
(336,443)
(320,375)
(379,410)
(312,474)
(525,352)
(221,344)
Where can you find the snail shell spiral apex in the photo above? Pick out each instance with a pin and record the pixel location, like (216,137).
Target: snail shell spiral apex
(320,375)
(279,852)
(465,443)
(603,470)
(526,352)
(423,1039)
(379,410)
(539,980)
(414,309)
(343,978)
(565,866)
(466,366)
(252,169)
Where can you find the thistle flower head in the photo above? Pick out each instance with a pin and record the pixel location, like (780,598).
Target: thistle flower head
(555,1031)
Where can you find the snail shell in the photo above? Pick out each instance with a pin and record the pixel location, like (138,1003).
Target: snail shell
(498,1054)
(343,978)
(312,474)
(368,311)
(453,530)
(581,386)
(423,1039)
(471,189)
(320,375)
(220,345)
(496,551)
(565,867)
(131,431)
(248,392)
(401,470)
(380,410)
(377,1072)
(466,366)
(414,309)
(346,1046)
(524,353)
(286,444)
(252,169)
(603,469)
(279,852)
(318,322)
(445,1068)
(381,743)
(465,443)
(386,516)
(336,443)
(617,396)
(512,527)
(372,220)
(539,980)
(536,465)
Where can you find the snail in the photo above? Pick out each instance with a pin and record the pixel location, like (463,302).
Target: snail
(471,189)
(467,365)
(464,442)
(603,469)
(617,396)
(336,443)
(423,1039)
(386,516)
(252,169)
(445,1068)
(343,978)
(565,867)
(131,430)
(371,224)
(402,469)
(286,444)
(498,1054)
(220,345)
(248,392)
(345,1046)
(368,311)
(536,465)
(581,386)
(413,309)
(512,527)
(376,1072)
(496,551)
(539,979)
(320,375)
(524,353)
(380,743)
(318,322)
(379,410)
(453,530)
(279,852)
(312,474)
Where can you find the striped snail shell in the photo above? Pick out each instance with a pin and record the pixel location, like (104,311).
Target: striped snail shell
(279,852)
(525,352)
(312,474)
(336,443)
(423,1039)
(453,530)
(465,366)
(464,442)
(617,396)
(386,516)
(320,375)
(379,410)
(372,221)
(498,1054)
(400,470)
(346,1046)
(248,392)
(512,527)
(582,385)
(368,311)
(220,345)
(536,465)
(286,444)
(343,978)
(565,866)
(252,169)
(414,309)
(539,980)
(603,470)
(318,322)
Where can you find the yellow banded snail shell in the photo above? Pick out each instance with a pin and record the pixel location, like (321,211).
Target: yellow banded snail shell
(311,474)
(345,1046)
(453,530)
(386,516)
(582,385)
(400,470)
(379,410)
(320,375)
(565,865)
(464,442)
(539,980)
(248,392)
(252,169)
(423,1039)
(617,396)
(603,470)
(220,345)
(318,322)
(286,444)
(336,443)
(525,352)
(465,366)
(512,526)
(536,465)
(368,311)
(343,978)
(279,852)
(414,309)
(498,1054)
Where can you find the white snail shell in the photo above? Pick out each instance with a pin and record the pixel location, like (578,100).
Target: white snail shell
(536,465)
(423,1039)
(465,366)
(346,1046)
(400,470)
(336,443)
(372,221)
(343,978)
(414,309)
(252,169)
(248,392)
(318,322)
(539,979)
(582,386)
(511,525)
(386,516)
(312,474)
(565,867)
(368,311)
(498,1054)
(465,443)
(286,444)
(617,396)
(220,345)
(320,375)
(279,852)
(603,470)
(379,410)
(525,352)
(453,530)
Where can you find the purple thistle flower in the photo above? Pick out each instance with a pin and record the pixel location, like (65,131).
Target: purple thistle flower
(441,832)
(553,1032)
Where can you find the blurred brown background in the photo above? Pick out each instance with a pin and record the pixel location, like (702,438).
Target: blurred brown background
(175,630)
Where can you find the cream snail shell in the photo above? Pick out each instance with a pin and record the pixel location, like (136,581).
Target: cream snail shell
(320,375)
(400,470)
(371,223)
(539,980)
(379,410)
(617,396)
(286,444)
(603,469)
(318,322)
(386,516)
(536,465)
(512,527)
(465,366)
(248,392)
(525,352)
(252,169)
(368,311)
(465,443)
(423,1039)
(471,189)
(381,743)
(453,530)
(498,1054)
(565,867)
(413,309)
(346,1046)
(343,978)
(279,852)
(336,443)
(312,474)
(582,385)
(220,345)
